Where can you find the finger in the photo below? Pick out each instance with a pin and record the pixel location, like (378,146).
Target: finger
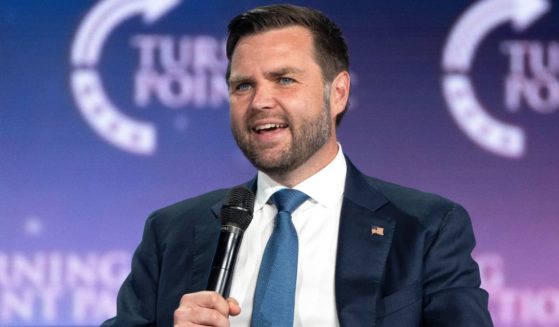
(206,299)
(199,316)
(234,307)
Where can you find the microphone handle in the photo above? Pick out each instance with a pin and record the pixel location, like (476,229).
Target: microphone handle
(224,260)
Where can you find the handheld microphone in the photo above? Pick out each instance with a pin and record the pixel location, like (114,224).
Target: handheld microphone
(236,215)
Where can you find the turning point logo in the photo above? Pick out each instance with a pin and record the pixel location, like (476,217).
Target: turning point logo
(527,78)
(100,113)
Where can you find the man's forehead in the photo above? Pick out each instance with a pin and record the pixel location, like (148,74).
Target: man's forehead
(292,41)
(287,34)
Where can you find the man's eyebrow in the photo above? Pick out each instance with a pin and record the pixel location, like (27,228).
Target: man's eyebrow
(238,79)
(233,79)
(283,71)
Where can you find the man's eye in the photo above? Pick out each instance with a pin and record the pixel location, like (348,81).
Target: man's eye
(286,80)
(243,86)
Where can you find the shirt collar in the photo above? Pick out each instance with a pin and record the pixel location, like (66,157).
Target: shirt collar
(325,187)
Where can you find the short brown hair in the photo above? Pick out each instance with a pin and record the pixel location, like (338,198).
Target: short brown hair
(331,51)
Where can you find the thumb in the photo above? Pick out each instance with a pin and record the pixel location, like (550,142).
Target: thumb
(234,308)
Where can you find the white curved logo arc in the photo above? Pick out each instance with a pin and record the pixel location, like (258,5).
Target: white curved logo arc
(104,117)
(491,134)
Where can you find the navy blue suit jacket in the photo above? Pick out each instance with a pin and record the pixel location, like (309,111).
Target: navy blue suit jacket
(419,273)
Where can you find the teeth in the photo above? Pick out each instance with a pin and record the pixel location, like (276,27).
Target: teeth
(268,126)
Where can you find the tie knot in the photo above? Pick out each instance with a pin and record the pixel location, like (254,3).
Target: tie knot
(288,200)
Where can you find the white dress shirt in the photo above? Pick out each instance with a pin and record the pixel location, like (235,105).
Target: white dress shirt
(317,224)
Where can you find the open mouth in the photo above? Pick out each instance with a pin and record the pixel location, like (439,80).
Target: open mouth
(265,128)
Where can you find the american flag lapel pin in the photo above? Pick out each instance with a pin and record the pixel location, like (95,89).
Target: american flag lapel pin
(377,230)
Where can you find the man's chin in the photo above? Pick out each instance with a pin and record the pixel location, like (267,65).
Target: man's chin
(271,165)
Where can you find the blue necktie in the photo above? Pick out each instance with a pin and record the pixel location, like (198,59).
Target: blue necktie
(274,297)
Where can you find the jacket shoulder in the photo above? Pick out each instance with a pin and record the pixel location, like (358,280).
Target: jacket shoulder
(414,202)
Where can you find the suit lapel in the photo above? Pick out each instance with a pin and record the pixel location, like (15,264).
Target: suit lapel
(362,252)
(205,237)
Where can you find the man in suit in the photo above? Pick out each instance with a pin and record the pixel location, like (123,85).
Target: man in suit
(369,253)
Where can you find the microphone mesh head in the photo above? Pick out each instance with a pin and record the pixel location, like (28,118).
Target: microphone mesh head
(238,207)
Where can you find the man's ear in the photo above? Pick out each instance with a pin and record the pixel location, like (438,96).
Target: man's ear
(339,93)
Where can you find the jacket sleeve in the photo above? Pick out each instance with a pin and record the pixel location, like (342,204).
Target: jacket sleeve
(137,297)
(451,280)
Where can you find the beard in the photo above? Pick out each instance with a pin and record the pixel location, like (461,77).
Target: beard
(307,137)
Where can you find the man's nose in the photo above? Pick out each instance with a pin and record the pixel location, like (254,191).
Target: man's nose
(264,97)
